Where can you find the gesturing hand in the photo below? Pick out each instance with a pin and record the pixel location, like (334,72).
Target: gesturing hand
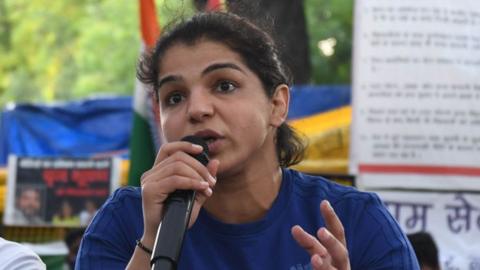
(328,250)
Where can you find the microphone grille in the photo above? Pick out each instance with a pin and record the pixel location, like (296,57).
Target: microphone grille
(203,157)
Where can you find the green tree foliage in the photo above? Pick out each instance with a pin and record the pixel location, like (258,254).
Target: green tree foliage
(41,49)
(327,19)
(70,49)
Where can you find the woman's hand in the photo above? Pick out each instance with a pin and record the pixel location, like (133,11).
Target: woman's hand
(329,249)
(174,169)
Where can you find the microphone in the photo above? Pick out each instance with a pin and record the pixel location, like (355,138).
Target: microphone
(177,211)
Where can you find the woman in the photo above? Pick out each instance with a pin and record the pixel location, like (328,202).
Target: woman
(218,76)
(65,216)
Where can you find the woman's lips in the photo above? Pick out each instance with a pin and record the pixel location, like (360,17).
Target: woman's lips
(215,145)
(213,139)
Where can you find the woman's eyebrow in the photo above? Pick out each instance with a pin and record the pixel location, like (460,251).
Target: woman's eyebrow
(211,68)
(170,78)
(214,67)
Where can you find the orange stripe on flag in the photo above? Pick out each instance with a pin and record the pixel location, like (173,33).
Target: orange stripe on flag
(414,169)
(148,22)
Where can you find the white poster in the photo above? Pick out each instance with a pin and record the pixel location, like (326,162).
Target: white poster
(416,94)
(453,219)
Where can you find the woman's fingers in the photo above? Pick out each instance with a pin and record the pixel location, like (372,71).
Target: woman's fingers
(327,250)
(320,257)
(319,263)
(332,222)
(176,175)
(179,163)
(308,242)
(184,158)
(333,236)
(175,182)
(201,197)
(338,252)
(212,168)
(169,149)
(172,149)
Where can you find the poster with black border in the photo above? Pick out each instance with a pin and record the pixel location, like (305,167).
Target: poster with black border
(58,191)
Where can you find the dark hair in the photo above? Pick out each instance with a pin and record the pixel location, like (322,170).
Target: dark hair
(24,188)
(255,47)
(425,249)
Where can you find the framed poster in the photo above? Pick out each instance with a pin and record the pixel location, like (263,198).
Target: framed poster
(63,192)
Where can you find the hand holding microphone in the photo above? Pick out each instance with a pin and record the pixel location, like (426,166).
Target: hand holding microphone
(174,169)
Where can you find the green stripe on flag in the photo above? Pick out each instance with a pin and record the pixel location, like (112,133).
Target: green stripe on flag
(142,149)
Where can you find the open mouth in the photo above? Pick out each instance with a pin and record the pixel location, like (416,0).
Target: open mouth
(211,138)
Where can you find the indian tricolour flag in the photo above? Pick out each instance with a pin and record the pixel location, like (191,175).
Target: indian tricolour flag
(144,138)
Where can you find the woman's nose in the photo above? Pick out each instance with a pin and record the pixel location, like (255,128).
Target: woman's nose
(200,106)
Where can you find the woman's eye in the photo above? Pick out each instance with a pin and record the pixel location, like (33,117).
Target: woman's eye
(225,86)
(174,98)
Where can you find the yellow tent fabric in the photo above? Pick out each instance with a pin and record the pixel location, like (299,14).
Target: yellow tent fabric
(328,138)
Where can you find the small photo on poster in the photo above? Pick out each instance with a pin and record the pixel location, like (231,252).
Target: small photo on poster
(30,203)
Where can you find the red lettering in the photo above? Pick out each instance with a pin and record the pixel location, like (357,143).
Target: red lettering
(83,178)
(51,176)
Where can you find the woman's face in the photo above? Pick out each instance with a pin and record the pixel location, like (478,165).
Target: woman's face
(66,209)
(205,89)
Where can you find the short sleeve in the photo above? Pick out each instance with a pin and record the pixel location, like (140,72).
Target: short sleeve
(109,241)
(376,239)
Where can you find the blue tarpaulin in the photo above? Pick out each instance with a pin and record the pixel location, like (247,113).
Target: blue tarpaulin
(314,99)
(84,128)
(102,126)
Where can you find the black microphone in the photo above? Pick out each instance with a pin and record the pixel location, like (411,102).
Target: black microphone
(177,211)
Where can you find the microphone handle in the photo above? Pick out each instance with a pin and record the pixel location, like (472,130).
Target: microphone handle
(171,230)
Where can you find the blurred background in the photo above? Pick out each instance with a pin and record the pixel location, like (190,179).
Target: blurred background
(68,90)
(71,49)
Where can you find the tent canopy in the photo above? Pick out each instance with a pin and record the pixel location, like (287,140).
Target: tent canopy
(102,126)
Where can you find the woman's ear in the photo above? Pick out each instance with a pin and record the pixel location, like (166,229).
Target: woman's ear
(280,103)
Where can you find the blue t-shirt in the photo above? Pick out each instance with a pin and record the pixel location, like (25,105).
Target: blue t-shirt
(374,239)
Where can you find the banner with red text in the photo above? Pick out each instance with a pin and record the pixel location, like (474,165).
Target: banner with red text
(452,218)
(63,192)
